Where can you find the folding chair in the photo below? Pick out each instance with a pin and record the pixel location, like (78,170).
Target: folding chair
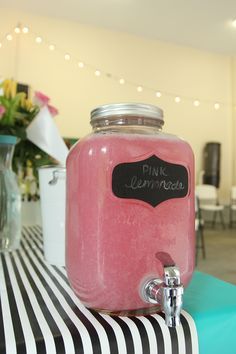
(208,201)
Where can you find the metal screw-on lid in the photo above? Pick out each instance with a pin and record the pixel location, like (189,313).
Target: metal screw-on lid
(127,109)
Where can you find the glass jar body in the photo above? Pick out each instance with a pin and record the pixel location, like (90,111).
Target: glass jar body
(10,202)
(112,241)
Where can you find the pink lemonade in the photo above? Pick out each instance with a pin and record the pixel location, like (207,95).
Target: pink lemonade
(113,242)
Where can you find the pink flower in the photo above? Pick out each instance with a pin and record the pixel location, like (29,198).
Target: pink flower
(41,99)
(2,110)
(52,110)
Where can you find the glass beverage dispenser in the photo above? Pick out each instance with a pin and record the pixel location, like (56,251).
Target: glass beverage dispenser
(130,235)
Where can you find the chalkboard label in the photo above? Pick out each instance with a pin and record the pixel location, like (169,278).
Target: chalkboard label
(152,180)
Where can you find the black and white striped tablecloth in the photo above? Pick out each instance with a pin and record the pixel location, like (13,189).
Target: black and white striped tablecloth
(41,314)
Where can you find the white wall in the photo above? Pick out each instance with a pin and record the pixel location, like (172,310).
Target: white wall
(163,66)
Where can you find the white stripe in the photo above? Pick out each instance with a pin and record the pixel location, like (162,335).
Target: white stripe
(47,334)
(118,332)
(26,327)
(99,328)
(6,315)
(181,339)
(37,233)
(165,332)
(66,335)
(35,239)
(138,348)
(151,335)
(193,329)
(37,227)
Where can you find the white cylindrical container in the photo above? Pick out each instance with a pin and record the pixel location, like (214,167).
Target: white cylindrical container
(52,194)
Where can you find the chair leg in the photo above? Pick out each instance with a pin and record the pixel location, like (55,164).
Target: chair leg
(202,243)
(214,219)
(230,218)
(197,247)
(222,219)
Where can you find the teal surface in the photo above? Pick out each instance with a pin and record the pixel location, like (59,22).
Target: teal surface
(212,304)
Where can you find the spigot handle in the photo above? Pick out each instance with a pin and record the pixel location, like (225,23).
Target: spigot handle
(171,276)
(168,293)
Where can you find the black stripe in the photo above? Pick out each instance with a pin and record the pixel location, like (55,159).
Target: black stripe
(127,334)
(2,334)
(174,340)
(34,238)
(40,343)
(37,228)
(70,325)
(173,336)
(19,335)
(187,334)
(62,275)
(60,348)
(109,331)
(37,233)
(143,335)
(159,335)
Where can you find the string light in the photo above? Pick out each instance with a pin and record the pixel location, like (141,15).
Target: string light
(9,37)
(177,99)
(38,40)
(18,29)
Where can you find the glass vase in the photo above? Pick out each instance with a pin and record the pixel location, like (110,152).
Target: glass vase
(10,198)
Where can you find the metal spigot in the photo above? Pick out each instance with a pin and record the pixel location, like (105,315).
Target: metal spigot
(168,293)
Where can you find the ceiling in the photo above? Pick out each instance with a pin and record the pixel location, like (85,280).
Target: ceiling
(203,24)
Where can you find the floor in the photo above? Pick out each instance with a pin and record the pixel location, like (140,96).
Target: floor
(220,254)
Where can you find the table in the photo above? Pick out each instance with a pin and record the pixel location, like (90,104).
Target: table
(41,314)
(212,304)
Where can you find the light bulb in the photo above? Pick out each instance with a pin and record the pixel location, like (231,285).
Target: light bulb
(158,94)
(196,103)
(17,29)
(234,23)
(139,89)
(0,45)
(9,37)
(122,81)
(216,106)
(51,47)
(177,99)
(81,64)
(97,73)
(38,40)
(25,29)
(67,56)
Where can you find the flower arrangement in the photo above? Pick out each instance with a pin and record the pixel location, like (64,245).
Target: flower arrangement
(17,111)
